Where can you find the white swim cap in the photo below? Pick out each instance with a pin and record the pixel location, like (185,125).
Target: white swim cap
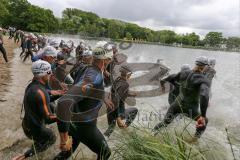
(101,53)
(41,68)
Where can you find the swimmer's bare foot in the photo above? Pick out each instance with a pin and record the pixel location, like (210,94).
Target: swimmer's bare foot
(19,157)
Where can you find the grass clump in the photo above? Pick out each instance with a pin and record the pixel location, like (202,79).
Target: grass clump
(142,145)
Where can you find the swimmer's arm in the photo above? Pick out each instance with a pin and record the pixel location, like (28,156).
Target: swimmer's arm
(123,92)
(55,94)
(171,79)
(204,98)
(132,94)
(44,106)
(91,78)
(215,74)
(73,72)
(54,97)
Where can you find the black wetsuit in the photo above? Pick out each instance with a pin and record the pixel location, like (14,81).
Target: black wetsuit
(2,49)
(21,36)
(210,73)
(119,93)
(174,87)
(77,71)
(11,32)
(29,47)
(17,36)
(74,70)
(40,43)
(23,44)
(110,68)
(37,115)
(86,131)
(61,74)
(79,51)
(193,87)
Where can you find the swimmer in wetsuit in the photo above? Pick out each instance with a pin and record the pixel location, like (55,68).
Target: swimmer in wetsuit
(37,111)
(194,86)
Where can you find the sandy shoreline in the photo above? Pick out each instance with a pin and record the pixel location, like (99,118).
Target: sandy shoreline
(16,76)
(5,74)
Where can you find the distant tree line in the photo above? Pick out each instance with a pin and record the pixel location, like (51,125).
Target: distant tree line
(22,15)
(25,16)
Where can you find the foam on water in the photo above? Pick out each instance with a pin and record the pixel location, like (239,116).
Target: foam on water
(144,88)
(138,74)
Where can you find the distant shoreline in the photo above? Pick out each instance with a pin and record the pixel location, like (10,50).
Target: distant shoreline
(183,46)
(145,42)
(139,42)
(5,73)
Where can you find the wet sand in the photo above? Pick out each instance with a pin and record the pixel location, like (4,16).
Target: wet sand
(14,77)
(5,74)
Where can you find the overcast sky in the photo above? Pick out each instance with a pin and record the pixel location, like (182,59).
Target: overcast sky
(182,16)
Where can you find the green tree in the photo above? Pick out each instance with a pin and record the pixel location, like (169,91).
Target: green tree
(40,20)
(193,39)
(128,36)
(149,35)
(133,29)
(92,30)
(115,29)
(202,43)
(213,39)
(22,15)
(3,11)
(167,36)
(17,16)
(233,43)
(75,20)
(179,38)
(185,40)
